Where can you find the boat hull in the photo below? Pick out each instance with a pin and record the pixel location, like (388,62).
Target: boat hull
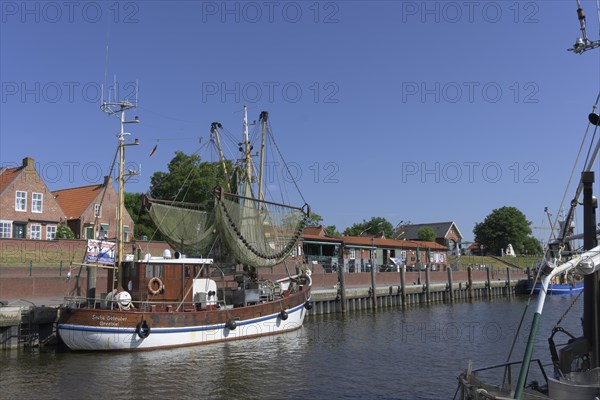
(559,289)
(89,329)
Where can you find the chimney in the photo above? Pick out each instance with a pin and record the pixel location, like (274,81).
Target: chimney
(107,181)
(28,163)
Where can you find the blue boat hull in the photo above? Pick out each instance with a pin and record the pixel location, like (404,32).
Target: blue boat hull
(559,289)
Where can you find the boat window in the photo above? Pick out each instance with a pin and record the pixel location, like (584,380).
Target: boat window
(149,271)
(154,270)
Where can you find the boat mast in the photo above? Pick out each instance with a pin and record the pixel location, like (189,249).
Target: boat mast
(264,116)
(247,156)
(118,109)
(214,129)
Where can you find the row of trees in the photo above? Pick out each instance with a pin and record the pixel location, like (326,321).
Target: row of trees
(504,226)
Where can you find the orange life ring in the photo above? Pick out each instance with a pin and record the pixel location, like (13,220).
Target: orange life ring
(151,284)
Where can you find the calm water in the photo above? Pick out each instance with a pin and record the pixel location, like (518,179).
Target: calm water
(393,354)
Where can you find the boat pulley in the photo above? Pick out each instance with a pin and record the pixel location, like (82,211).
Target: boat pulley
(594,119)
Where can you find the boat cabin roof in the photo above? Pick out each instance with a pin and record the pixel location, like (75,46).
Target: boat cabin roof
(188,261)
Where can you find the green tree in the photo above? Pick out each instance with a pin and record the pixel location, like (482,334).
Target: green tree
(314,220)
(64,232)
(504,226)
(331,230)
(189,179)
(426,234)
(374,226)
(532,246)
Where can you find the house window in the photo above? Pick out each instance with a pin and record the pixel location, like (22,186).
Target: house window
(103,232)
(5,229)
(50,232)
(36,202)
(352,255)
(97,210)
(35,232)
(21,201)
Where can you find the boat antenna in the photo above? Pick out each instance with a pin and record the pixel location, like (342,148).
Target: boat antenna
(583,43)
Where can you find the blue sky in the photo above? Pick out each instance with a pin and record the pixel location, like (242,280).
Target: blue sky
(408,110)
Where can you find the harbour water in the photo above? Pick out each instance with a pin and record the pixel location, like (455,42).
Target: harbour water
(415,353)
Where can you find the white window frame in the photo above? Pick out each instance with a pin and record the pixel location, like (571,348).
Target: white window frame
(3,232)
(352,255)
(50,232)
(34,203)
(37,230)
(97,210)
(21,201)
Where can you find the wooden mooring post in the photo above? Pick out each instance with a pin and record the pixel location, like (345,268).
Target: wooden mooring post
(342,287)
(403,284)
(508,281)
(427,283)
(488,282)
(470,282)
(451,290)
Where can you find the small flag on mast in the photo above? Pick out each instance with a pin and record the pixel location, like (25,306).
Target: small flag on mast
(153,150)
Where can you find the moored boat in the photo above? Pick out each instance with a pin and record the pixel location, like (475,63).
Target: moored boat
(558,288)
(576,363)
(174,301)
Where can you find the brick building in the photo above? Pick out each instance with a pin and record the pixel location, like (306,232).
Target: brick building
(446,233)
(356,253)
(28,210)
(83,204)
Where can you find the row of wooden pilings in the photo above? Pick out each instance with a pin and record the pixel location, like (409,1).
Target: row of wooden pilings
(342,298)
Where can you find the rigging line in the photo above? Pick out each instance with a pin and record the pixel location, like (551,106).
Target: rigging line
(594,108)
(166,116)
(573,170)
(285,164)
(110,172)
(568,309)
(512,347)
(283,192)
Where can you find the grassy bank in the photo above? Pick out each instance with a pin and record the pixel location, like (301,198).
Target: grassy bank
(521,261)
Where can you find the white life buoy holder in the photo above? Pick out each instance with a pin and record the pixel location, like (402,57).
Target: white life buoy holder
(155,282)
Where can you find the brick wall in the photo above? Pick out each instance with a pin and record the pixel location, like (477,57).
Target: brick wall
(29,181)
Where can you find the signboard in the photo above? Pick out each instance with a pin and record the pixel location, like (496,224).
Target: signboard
(100,252)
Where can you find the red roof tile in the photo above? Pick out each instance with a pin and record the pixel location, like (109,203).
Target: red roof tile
(379,242)
(7,176)
(76,200)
